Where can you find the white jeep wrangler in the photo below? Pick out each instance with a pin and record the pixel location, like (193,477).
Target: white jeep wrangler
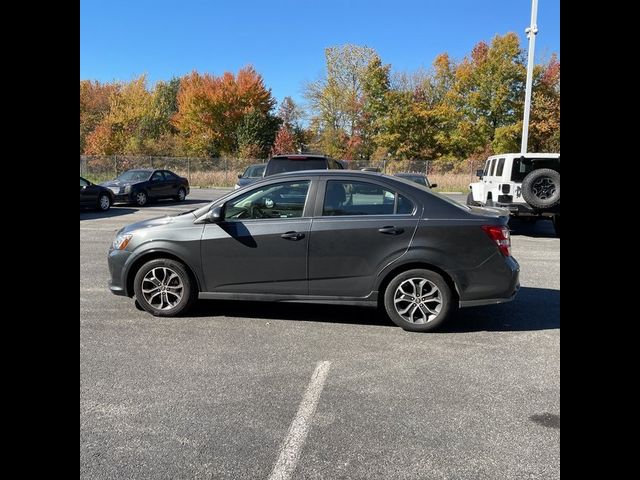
(527,185)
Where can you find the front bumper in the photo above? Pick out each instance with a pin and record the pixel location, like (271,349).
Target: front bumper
(123,198)
(117,261)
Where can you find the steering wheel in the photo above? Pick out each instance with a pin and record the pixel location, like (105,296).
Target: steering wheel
(256,212)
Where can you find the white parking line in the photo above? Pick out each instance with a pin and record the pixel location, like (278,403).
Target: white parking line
(290,450)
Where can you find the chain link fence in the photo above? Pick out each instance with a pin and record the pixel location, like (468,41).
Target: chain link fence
(223,172)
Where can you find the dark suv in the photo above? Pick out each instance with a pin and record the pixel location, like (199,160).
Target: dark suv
(304,161)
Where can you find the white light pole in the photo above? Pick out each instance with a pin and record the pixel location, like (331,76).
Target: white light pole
(531,35)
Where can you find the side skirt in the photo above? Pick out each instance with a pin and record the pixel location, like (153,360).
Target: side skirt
(370,300)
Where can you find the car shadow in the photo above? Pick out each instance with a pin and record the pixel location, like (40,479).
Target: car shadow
(169,201)
(532,309)
(541,228)
(112,212)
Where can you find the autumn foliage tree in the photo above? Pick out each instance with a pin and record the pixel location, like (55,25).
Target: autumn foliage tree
(211,109)
(451,112)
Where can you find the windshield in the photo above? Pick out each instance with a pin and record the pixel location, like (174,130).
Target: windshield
(281,165)
(135,176)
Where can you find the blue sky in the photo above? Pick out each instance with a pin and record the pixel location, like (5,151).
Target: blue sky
(285,39)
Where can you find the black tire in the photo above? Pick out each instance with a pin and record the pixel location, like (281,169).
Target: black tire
(556,224)
(489,202)
(541,188)
(182,194)
(104,202)
(470,201)
(405,279)
(164,270)
(141,198)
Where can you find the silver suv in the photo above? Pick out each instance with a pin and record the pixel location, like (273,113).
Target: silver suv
(527,185)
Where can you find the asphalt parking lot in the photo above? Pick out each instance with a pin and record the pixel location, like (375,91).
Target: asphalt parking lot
(213,395)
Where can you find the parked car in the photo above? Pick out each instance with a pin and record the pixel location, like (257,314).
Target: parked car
(95,196)
(139,186)
(296,162)
(305,237)
(528,185)
(418,178)
(250,175)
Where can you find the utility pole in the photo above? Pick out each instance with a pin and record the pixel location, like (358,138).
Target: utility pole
(531,35)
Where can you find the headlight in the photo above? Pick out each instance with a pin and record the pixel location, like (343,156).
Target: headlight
(127,189)
(121,241)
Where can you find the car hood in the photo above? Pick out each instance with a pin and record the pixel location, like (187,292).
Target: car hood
(118,183)
(184,218)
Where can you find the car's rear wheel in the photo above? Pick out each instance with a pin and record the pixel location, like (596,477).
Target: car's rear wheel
(104,202)
(418,300)
(470,201)
(182,194)
(141,198)
(164,288)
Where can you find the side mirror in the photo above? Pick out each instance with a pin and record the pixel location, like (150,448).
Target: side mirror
(433,185)
(479,173)
(239,175)
(212,216)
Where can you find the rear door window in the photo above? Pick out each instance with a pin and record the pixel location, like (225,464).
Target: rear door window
(500,167)
(363,198)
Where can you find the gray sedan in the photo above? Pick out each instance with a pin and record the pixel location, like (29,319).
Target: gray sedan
(323,236)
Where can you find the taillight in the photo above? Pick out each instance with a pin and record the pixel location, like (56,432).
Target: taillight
(500,234)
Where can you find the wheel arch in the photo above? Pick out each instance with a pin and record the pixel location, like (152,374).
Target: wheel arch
(153,255)
(386,279)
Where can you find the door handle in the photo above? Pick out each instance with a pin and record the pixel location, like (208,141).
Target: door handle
(391,230)
(292,236)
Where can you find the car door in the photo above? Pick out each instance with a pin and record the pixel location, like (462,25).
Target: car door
(359,228)
(88,193)
(157,185)
(172,183)
(261,244)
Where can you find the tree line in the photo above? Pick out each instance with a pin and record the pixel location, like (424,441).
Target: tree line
(358,110)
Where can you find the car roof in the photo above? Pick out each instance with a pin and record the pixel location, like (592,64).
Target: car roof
(525,155)
(301,156)
(322,171)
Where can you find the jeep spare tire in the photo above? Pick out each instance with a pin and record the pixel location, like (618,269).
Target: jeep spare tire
(541,188)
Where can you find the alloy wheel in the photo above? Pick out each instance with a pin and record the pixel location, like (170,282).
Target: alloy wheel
(417,300)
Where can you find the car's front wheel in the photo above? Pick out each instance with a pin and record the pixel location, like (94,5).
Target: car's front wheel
(141,198)
(182,194)
(418,300)
(104,202)
(164,288)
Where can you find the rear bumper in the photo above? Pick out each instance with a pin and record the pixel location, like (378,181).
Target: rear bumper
(496,281)
(489,301)
(524,209)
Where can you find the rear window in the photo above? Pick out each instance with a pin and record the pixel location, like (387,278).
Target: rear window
(281,165)
(521,168)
